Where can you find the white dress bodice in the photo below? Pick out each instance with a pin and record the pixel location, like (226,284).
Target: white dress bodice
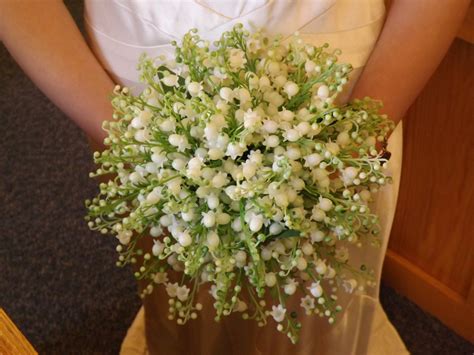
(120,30)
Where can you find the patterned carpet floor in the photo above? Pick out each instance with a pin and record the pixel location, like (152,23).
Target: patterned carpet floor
(59,282)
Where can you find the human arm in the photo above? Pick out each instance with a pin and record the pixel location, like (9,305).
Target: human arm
(414,40)
(46,43)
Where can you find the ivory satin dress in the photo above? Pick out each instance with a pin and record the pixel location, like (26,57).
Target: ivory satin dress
(119,31)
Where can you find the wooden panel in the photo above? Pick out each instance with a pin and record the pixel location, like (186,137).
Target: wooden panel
(433,224)
(432,295)
(12,340)
(430,249)
(466,32)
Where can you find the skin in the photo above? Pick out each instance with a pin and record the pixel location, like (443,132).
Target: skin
(415,37)
(50,49)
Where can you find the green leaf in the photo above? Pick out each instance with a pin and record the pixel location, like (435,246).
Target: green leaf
(215,163)
(289,233)
(181,80)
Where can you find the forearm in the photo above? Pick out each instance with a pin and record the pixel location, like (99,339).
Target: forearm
(46,43)
(415,38)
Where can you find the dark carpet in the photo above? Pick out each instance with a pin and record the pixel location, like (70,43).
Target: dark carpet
(59,282)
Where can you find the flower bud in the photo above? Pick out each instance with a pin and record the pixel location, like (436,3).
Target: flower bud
(291,88)
(270,279)
(226,93)
(316,289)
(256,223)
(323,92)
(212,240)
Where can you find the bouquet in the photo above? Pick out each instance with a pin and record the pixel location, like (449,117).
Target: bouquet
(248,176)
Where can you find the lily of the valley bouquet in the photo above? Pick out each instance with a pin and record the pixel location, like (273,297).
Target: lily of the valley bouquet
(250,179)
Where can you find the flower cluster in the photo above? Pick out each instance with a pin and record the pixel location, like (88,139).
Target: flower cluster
(248,176)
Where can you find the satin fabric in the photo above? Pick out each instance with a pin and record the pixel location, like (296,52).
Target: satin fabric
(120,30)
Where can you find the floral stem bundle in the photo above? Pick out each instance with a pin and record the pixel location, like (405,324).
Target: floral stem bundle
(248,176)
